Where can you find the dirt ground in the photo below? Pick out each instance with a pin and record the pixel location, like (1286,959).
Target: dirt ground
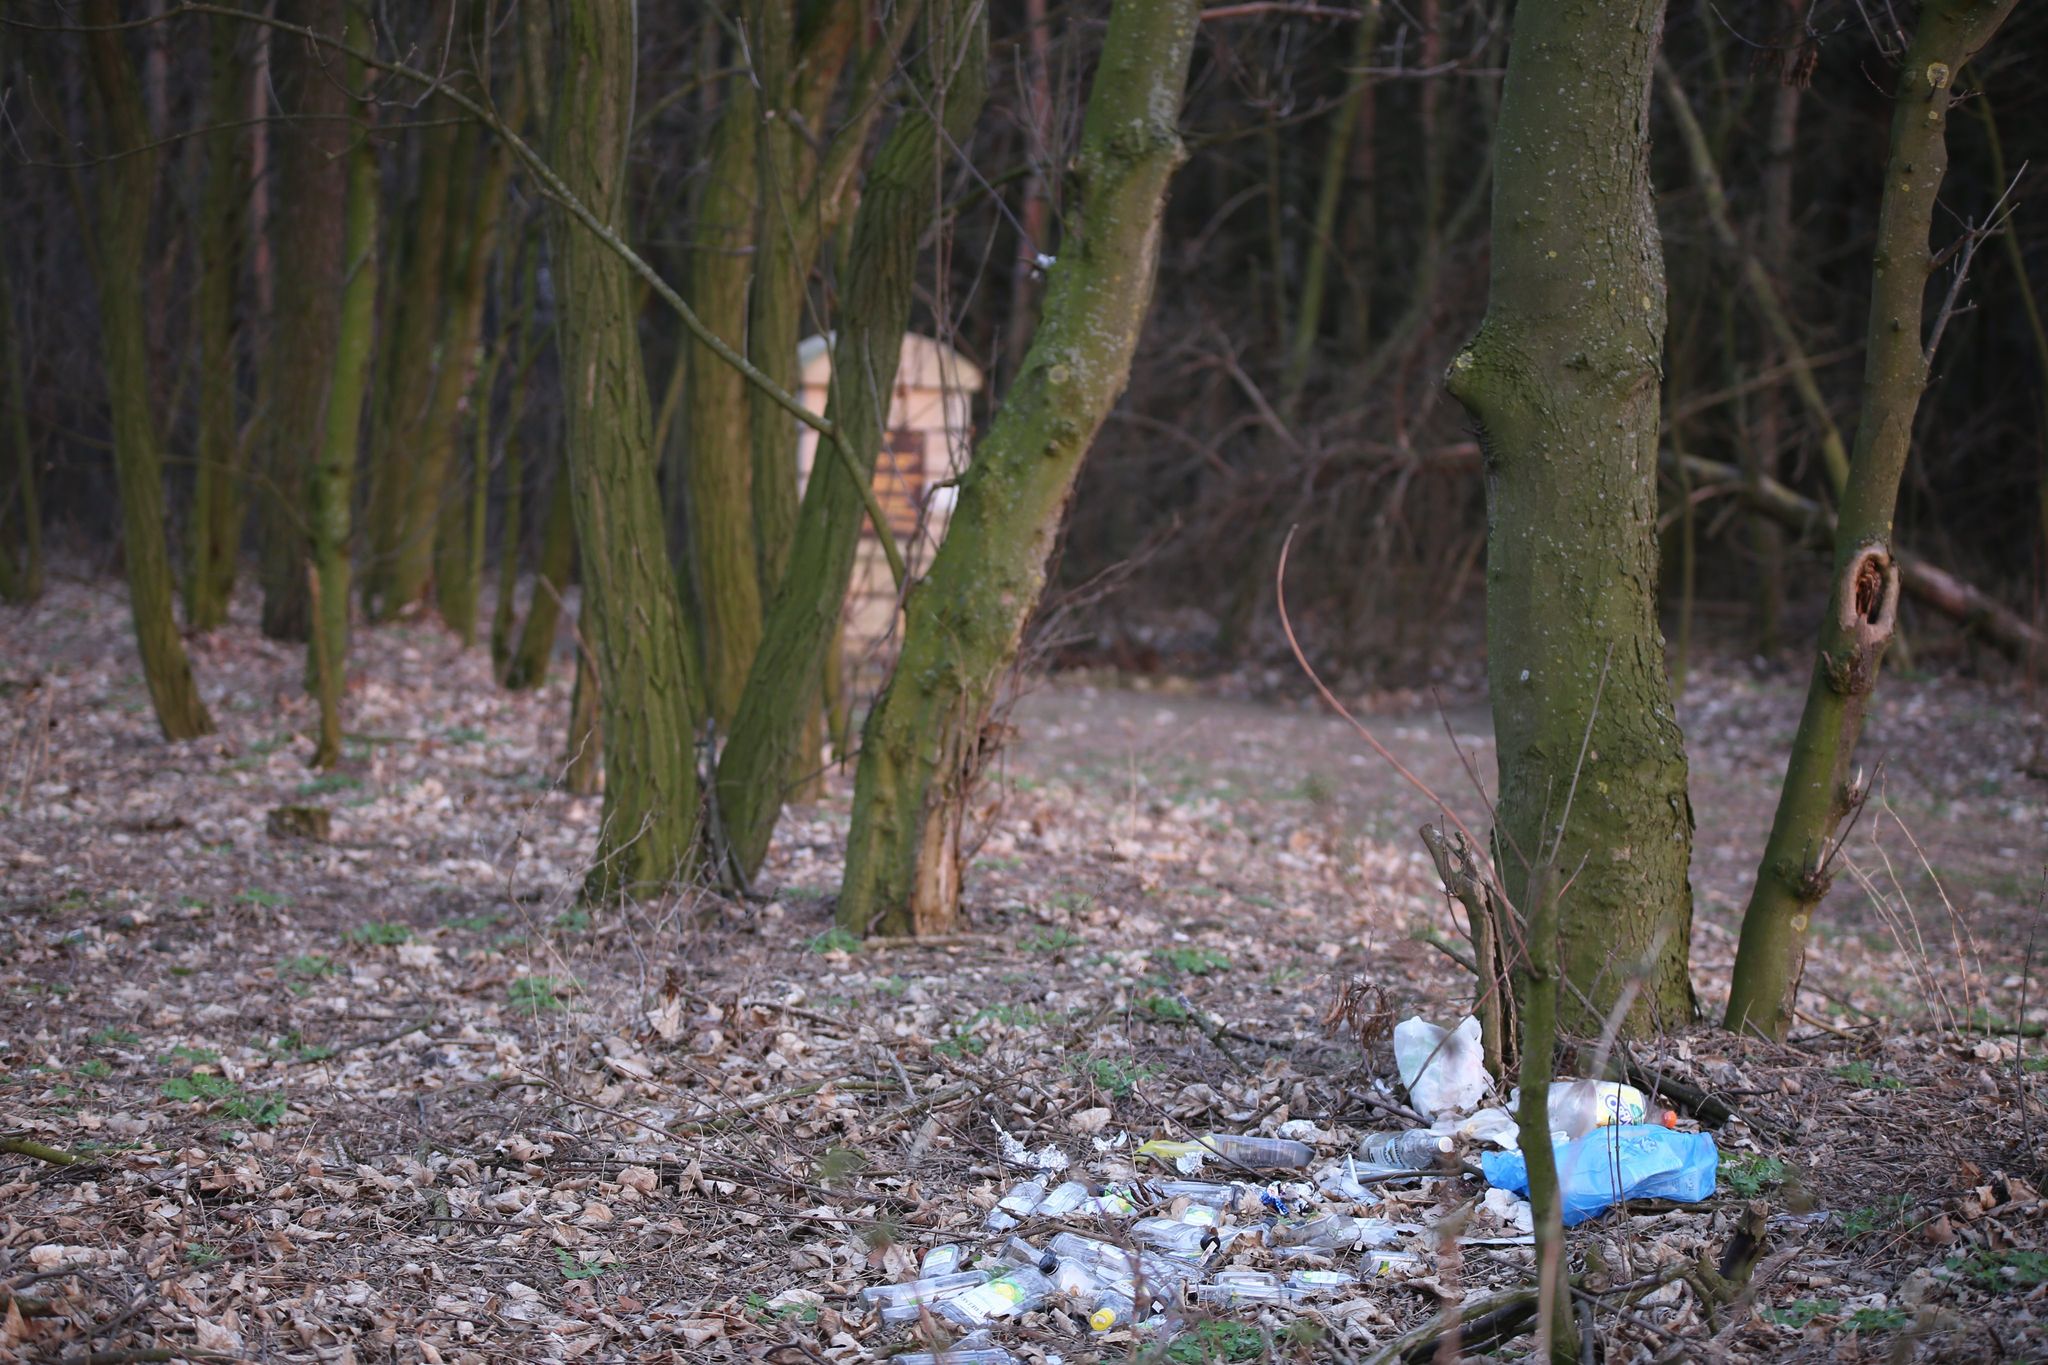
(395,1096)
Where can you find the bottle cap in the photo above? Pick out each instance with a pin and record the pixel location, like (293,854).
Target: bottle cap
(1102,1319)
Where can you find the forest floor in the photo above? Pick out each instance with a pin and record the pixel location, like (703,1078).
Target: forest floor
(396,1096)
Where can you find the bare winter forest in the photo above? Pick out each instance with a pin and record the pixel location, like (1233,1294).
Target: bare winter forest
(929,681)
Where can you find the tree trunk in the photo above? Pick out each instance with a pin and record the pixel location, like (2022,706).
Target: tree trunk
(334,475)
(896,208)
(1562,379)
(21,518)
(716,457)
(923,743)
(632,621)
(307,322)
(126,186)
(583,771)
(528,666)
(217,496)
(1793,876)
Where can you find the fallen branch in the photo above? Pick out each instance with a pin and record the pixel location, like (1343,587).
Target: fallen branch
(2012,634)
(56,1156)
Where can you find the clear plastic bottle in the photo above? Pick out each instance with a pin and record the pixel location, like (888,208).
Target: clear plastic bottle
(1188,1239)
(1195,1191)
(1118,1266)
(975,1348)
(1416,1149)
(1321,1281)
(1063,1199)
(1113,1309)
(1016,1291)
(1023,1199)
(1263,1152)
(1246,1286)
(1328,1232)
(1578,1107)
(1017,1251)
(942,1260)
(1379,1262)
(928,1290)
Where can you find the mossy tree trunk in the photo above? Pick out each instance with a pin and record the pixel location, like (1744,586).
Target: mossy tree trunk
(923,742)
(1862,616)
(897,206)
(1563,381)
(632,620)
(21,519)
(217,495)
(125,184)
(527,666)
(334,475)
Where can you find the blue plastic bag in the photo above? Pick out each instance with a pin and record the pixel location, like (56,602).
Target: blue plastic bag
(1627,1161)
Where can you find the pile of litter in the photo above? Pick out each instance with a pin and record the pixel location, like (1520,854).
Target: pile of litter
(1300,1220)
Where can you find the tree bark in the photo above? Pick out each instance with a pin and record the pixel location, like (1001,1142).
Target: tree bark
(527,667)
(632,620)
(334,475)
(217,495)
(1349,120)
(21,518)
(126,187)
(1562,379)
(897,205)
(923,743)
(1793,876)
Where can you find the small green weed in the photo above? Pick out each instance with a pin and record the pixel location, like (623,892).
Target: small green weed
(1164,1007)
(380,935)
(293,1047)
(223,1096)
(574,1269)
(1801,1312)
(464,734)
(1860,1073)
(1285,975)
(2002,1270)
(835,940)
(1886,1213)
(896,987)
(187,1056)
(841,1163)
(256,895)
(307,966)
(1050,941)
(1217,1340)
(328,783)
(533,994)
(1117,1076)
(1192,961)
(1074,902)
(99,1068)
(112,1037)
(574,921)
(757,1308)
(201,1256)
(1877,1320)
(476,924)
(1749,1174)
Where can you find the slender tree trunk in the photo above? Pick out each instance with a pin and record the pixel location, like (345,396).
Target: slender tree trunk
(21,518)
(716,455)
(1562,379)
(126,186)
(584,771)
(1034,208)
(216,500)
(528,665)
(1797,864)
(897,206)
(311,206)
(334,475)
(923,743)
(1777,251)
(1347,121)
(632,621)
(2030,301)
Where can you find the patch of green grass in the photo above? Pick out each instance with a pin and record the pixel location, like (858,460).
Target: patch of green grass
(808,895)
(757,1308)
(1284,975)
(1217,1340)
(1073,902)
(533,994)
(328,783)
(1164,1007)
(307,966)
(203,1257)
(188,1057)
(1118,1076)
(226,1098)
(998,863)
(99,1068)
(1192,961)
(574,921)
(1749,1174)
(896,987)
(1801,1312)
(464,734)
(293,1047)
(1861,1073)
(835,940)
(112,1037)
(1877,1320)
(1888,1212)
(256,895)
(1050,941)
(574,1269)
(2002,1270)
(476,924)
(380,935)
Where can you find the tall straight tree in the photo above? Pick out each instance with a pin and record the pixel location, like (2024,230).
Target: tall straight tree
(1562,379)
(923,739)
(897,206)
(631,620)
(306,235)
(217,495)
(125,184)
(334,471)
(1862,612)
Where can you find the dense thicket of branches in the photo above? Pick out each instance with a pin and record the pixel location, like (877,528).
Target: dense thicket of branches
(1346,157)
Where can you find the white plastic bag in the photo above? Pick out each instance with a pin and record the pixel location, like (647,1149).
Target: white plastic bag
(1444,1072)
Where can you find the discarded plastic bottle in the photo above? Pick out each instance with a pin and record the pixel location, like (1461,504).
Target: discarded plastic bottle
(1111,1203)
(973,1349)
(928,1290)
(1063,1200)
(1195,1191)
(1115,1264)
(1017,1251)
(1024,1198)
(1321,1281)
(1264,1152)
(1248,1286)
(1328,1232)
(1189,1239)
(941,1260)
(1384,1262)
(1113,1309)
(1417,1149)
(1017,1290)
